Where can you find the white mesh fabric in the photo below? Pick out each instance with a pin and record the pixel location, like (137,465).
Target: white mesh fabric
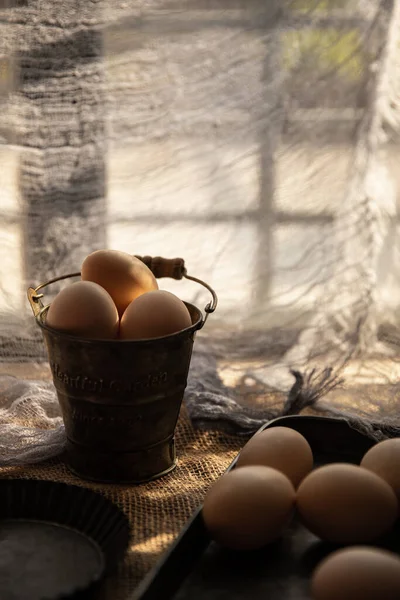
(258,141)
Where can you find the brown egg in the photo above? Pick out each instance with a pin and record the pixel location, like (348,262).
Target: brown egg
(248,507)
(281,448)
(346,504)
(86,310)
(357,573)
(154,314)
(122,275)
(384,460)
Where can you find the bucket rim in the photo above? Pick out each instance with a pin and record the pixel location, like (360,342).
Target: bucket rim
(198,324)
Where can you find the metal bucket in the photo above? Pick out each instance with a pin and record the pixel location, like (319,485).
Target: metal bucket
(120,399)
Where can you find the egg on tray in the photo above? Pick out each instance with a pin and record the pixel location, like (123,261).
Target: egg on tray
(249,507)
(346,504)
(357,573)
(281,448)
(384,460)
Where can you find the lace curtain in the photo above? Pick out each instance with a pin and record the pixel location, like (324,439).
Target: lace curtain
(256,139)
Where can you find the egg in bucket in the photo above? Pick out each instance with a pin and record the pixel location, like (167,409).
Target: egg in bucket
(120,398)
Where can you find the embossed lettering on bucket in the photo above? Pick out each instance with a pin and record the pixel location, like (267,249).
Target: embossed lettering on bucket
(120,399)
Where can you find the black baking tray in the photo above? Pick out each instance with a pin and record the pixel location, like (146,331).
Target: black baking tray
(196,568)
(57,541)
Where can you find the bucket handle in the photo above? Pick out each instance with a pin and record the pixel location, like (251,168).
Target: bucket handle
(160,267)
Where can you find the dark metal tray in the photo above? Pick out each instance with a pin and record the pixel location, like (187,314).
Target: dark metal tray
(195,568)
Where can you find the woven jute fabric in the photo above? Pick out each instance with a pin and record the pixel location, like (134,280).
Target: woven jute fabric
(158,510)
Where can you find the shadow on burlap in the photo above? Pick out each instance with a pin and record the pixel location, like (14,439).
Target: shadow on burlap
(158,510)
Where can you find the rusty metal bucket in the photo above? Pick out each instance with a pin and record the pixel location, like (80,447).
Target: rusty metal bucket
(120,399)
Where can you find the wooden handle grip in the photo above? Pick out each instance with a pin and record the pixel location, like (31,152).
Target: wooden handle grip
(164,267)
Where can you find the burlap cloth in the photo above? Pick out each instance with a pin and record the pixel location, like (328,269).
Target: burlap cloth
(158,510)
